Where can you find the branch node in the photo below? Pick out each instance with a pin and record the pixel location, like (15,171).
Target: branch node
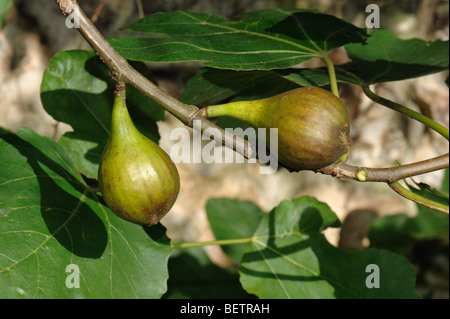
(63,4)
(195,114)
(361,175)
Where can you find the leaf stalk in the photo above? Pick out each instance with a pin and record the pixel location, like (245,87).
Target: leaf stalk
(331,74)
(402,191)
(221,242)
(407,111)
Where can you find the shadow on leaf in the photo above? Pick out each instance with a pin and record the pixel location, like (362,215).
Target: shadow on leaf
(194,276)
(69,220)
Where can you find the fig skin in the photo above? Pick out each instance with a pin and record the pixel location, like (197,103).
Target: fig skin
(137,179)
(313,125)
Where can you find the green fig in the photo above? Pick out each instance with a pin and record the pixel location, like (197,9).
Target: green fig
(313,125)
(137,179)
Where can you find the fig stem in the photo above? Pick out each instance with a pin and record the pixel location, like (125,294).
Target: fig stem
(406,111)
(331,73)
(221,242)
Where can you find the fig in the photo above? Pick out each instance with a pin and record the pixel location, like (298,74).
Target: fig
(313,125)
(137,179)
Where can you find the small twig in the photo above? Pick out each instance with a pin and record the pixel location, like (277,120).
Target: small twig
(98,11)
(140,9)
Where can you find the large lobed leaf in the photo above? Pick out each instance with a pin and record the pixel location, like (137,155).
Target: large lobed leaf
(50,219)
(288,256)
(382,59)
(259,40)
(388,58)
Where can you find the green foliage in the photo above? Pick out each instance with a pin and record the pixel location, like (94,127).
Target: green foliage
(388,58)
(231,219)
(288,257)
(382,59)
(192,275)
(5,6)
(399,232)
(260,40)
(50,218)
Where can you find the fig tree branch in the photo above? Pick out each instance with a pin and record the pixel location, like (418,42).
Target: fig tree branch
(389,175)
(220,242)
(122,71)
